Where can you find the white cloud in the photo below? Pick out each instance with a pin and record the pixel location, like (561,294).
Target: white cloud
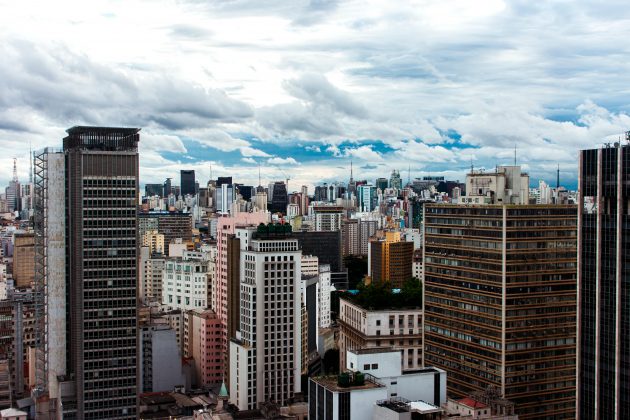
(437,82)
(282,161)
(250,151)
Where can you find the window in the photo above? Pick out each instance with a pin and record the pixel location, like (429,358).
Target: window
(378,322)
(366,366)
(374,365)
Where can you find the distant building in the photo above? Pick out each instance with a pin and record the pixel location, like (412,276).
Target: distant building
(390,258)
(395,181)
(367,199)
(326,246)
(23,259)
(171,224)
(225,198)
(154,189)
(327,218)
(187,282)
(506,185)
(154,241)
(278,197)
(381,183)
(187,177)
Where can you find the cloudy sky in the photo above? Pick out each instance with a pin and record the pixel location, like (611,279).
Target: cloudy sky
(302,87)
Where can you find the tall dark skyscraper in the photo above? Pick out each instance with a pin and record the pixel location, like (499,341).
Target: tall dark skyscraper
(86,245)
(279,198)
(604,283)
(188,182)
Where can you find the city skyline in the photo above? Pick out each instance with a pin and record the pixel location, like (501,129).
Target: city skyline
(302,88)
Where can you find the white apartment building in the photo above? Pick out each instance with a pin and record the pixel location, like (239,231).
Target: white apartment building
(374,376)
(187,281)
(324,288)
(265,357)
(397,328)
(327,218)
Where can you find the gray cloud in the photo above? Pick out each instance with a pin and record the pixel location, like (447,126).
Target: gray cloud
(70,88)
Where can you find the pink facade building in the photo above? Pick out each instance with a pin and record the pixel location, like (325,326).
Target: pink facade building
(226,226)
(202,333)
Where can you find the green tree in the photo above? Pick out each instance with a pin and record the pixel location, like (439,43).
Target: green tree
(357,269)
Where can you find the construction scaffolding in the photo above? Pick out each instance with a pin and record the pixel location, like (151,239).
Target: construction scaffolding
(40,169)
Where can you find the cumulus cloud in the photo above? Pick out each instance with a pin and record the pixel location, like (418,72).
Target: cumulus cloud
(394,83)
(282,161)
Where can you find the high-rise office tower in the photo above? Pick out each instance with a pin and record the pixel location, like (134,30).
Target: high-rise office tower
(304,201)
(12,192)
(265,357)
(187,182)
(279,198)
(500,302)
(367,199)
(167,188)
(381,183)
(604,283)
(86,275)
(395,181)
(390,258)
(225,198)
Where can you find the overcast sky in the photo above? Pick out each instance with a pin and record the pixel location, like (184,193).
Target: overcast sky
(303,87)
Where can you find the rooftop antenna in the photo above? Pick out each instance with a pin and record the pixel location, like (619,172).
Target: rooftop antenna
(351,179)
(558,178)
(472,168)
(211,171)
(259,184)
(409,176)
(30,159)
(514,155)
(15,177)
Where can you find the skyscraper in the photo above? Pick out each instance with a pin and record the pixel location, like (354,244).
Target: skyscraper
(604,283)
(12,192)
(499,302)
(265,357)
(279,198)
(86,244)
(395,181)
(187,177)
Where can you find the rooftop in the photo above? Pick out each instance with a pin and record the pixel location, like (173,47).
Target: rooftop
(82,129)
(331,383)
(472,403)
(375,350)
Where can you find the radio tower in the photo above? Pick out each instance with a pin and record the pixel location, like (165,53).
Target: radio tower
(15,177)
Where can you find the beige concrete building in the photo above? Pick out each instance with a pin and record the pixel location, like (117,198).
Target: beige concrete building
(398,328)
(23,259)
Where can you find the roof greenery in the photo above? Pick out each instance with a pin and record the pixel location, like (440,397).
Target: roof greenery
(379,296)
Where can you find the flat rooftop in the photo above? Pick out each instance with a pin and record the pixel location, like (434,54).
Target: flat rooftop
(330,383)
(374,350)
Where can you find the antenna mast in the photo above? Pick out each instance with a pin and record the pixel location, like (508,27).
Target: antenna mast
(15,177)
(30,160)
(514,155)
